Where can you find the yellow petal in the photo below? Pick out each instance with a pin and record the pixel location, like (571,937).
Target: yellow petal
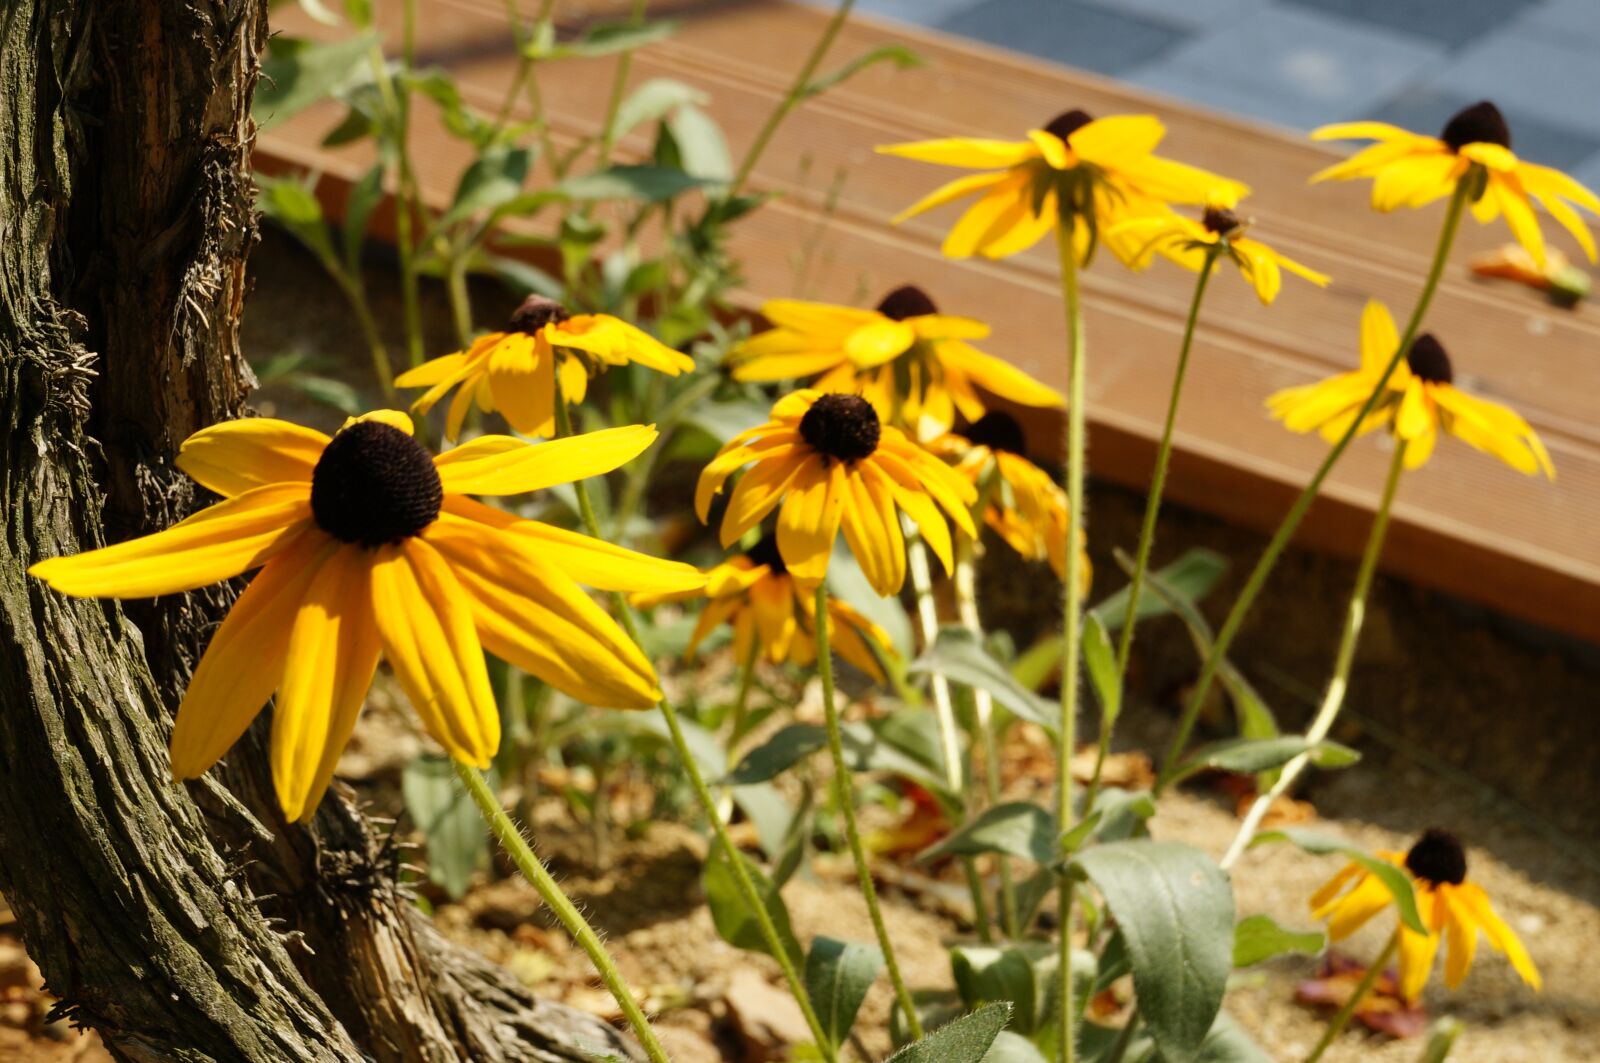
(760,490)
(808,523)
(1496,430)
(532,615)
(948,327)
(1414,182)
(764,441)
(1494,156)
(591,562)
(1334,886)
(396,419)
(434,371)
(992,216)
(503,465)
(1461,935)
(1416,417)
(333,652)
(1513,202)
(1351,912)
(971,152)
(522,384)
(872,528)
(878,342)
(425,619)
(1052,149)
(1379,338)
(951,191)
(1416,959)
(1365,131)
(1571,221)
(1117,137)
(1501,937)
(616,342)
(218,543)
(1546,181)
(244,661)
(235,456)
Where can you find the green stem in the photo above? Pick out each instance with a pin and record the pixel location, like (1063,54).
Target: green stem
(460,298)
(1119,1048)
(741,701)
(748,892)
(791,100)
(532,869)
(846,797)
(1072,605)
(1291,522)
(619,85)
(1340,1020)
(356,295)
(1333,699)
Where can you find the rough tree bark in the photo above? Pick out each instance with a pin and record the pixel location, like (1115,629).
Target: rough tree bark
(181,923)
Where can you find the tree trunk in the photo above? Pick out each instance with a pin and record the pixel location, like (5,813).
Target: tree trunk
(125,219)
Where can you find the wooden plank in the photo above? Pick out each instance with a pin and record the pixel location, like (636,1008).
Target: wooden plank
(1465,524)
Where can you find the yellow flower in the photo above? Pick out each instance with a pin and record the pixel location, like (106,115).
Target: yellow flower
(831,462)
(1098,170)
(910,361)
(1410,170)
(1187,242)
(769,611)
(1419,403)
(367,545)
(514,370)
(1451,908)
(1023,505)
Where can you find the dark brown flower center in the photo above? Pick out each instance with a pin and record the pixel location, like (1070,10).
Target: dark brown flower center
(535,313)
(1427,360)
(766,553)
(1067,123)
(374,484)
(842,427)
(998,431)
(1220,221)
(1482,123)
(906,301)
(1438,858)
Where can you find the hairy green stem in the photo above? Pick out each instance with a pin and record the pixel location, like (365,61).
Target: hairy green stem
(792,99)
(1291,522)
(532,868)
(748,892)
(1072,606)
(847,809)
(1341,1019)
(1339,684)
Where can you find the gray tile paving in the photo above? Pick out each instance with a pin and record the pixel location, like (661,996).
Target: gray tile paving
(1534,139)
(918,12)
(1079,34)
(1564,20)
(1186,14)
(1558,81)
(1302,67)
(1448,22)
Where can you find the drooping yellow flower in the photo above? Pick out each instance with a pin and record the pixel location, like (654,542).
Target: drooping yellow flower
(831,462)
(1452,909)
(1098,170)
(1419,402)
(911,362)
(1411,170)
(1187,242)
(514,370)
(1024,506)
(369,546)
(770,614)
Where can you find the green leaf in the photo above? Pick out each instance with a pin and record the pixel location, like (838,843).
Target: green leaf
(768,812)
(364,197)
(1122,813)
(898,54)
(1441,1039)
(651,184)
(736,923)
(1013,1048)
(838,975)
(494,179)
(1021,975)
(608,38)
(291,204)
(957,654)
(1259,937)
(701,143)
(1100,661)
(967,1038)
(1249,756)
(1174,908)
(1395,880)
(297,73)
(457,842)
(1018,828)
(777,754)
(1191,577)
(654,99)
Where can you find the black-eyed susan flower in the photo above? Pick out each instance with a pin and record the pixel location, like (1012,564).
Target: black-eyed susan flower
(1220,233)
(1453,909)
(1411,170)
(1098,171)
(369,546)
(1419,403)
(514,370)
(910,361)
(831,462)
(772,616)
(1024,506)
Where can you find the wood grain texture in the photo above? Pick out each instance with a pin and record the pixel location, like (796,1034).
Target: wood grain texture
(1465,524)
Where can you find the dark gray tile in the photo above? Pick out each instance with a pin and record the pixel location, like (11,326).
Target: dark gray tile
(1533,138)
(1064,31)
(1453,23)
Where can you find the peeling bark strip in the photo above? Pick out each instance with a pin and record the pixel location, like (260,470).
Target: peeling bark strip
(125,220)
